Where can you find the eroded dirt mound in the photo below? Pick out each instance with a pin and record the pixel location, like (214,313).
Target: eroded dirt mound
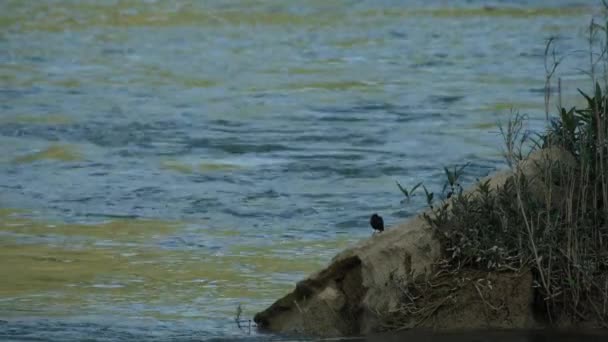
(335,294)
(346,297)
(356,294)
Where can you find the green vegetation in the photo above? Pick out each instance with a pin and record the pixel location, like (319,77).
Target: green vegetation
(548,219)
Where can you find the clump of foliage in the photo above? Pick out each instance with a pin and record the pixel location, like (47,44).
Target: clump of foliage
(553,223)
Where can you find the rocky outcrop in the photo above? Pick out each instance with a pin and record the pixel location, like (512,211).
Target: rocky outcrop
(343,298)
(353,294)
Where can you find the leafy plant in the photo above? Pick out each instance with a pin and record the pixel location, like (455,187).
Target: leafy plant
(453,179)
(429,197)
(408,194)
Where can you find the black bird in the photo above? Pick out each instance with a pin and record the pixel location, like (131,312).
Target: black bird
(377,223)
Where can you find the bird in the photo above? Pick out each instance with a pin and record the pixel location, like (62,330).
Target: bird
(377,223)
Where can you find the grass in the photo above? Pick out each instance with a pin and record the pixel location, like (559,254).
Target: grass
(240,321)
(552,223)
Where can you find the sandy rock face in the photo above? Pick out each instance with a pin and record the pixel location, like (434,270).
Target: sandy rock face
(343,298)
(350,295)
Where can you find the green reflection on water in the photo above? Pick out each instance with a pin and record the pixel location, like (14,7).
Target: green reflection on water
(62,15)
(486,11)
(69,15)
(64,153)
(202,167)
(336,85)
(55,269)
(506,107)
(48,119)
(176,166)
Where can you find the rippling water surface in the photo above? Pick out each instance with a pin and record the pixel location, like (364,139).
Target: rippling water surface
(163,161)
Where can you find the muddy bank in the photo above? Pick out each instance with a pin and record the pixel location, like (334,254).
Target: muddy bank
(361,291)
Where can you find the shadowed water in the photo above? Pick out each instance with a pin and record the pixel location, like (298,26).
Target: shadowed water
(162,162)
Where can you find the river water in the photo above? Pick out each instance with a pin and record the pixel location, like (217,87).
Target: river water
(162,162)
